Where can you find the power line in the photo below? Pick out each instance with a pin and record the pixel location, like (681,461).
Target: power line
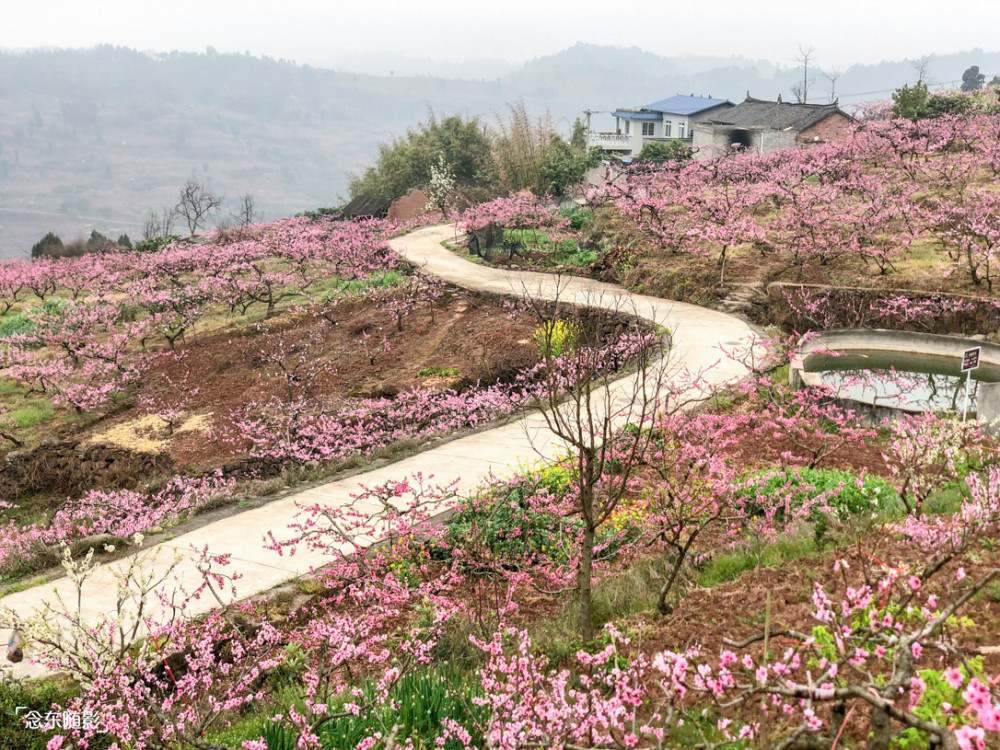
(889,91)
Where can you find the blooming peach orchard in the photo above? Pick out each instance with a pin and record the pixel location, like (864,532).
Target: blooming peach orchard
(429,630)
(872,196)
(886,646)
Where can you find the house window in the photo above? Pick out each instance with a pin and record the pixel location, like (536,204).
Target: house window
(628,124)
(648,128)
(680,130)
(667,127)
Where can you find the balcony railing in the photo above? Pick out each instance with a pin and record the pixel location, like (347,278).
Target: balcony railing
(686,139)
(610,140)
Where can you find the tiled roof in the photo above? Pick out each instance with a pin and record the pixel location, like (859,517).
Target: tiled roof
(366,205)
(758,114)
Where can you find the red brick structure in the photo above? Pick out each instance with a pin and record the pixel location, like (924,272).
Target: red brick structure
(409,206)
(833,127)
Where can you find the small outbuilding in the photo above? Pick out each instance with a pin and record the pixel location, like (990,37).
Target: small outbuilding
(763,126)
(366,207)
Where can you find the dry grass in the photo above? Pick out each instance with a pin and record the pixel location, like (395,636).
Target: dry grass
(149,433)
(195,423)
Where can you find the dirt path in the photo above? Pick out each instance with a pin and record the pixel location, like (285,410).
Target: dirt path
(698,338)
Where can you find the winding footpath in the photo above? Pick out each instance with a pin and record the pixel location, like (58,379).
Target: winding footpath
(699,338)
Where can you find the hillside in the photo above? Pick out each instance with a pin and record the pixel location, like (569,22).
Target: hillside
(92,139)
(683,546)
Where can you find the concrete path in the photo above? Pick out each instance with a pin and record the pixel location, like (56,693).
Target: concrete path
(698,337)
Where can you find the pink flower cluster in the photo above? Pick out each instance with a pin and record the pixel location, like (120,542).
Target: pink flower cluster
(85,351)
(869,196)
(520,215)
(304,430)
(118,513)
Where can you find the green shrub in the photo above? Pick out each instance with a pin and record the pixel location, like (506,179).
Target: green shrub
(565,166)
(501,520)
(675,150)
(21,323)
(577,217)
(319,213)
(15,325)
(872,494)
(50,244)
(155,243)
(460,144)
(576,257)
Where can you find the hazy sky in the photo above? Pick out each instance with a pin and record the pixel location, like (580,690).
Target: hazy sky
(841,31)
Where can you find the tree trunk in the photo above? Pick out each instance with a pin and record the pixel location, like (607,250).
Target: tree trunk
(661,603)
(948,741)
(881,737)
(583,580)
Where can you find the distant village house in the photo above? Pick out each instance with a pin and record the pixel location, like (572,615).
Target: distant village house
(762,126)
(714,126)
(665,120)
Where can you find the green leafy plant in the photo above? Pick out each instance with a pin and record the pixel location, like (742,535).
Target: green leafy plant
(931,706)
(673,149)
(577,217)
(155,243)
(278,736)
(21,323)
(16,324)
(577,257)
(502,520)
(850,494)
(419,703)
(556,337)
(565,166)
(444,372)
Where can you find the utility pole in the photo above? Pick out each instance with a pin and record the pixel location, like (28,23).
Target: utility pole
(590,112)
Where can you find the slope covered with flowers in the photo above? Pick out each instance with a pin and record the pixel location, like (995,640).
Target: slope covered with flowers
(765,569)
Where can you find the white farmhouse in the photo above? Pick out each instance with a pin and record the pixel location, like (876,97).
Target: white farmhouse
(665,120)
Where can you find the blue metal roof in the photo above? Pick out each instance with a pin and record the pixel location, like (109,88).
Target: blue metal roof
(685,105)
(626,115)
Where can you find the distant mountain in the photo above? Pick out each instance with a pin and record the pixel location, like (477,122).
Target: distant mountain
(608,77)
(389,63)
(92,139)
